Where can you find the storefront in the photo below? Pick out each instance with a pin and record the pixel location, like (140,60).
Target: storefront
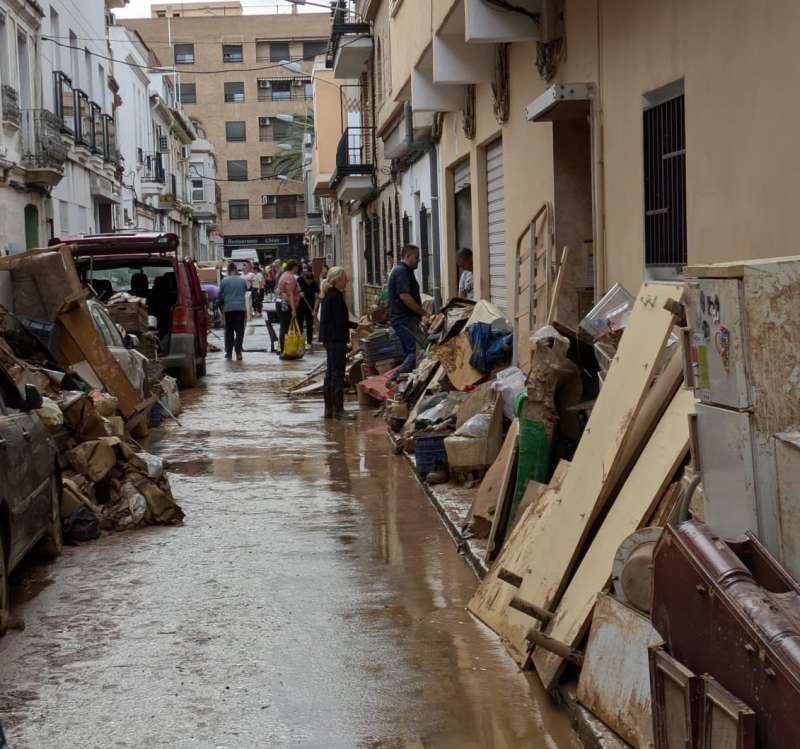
(269,246)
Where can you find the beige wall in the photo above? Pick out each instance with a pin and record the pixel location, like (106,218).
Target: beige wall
(213,112)
(738,61)
(328,122)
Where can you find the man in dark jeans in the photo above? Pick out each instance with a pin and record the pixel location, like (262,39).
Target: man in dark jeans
(405,305)
(232,294)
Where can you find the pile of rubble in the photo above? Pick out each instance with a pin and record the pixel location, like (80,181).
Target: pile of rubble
(93,410)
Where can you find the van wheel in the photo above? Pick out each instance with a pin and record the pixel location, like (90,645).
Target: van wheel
(187,374)
(54,540)
(4,605)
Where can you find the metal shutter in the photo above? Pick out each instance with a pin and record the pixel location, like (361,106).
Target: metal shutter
(498,293)
(461,176)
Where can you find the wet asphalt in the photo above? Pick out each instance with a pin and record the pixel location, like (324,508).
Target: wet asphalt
(311,599)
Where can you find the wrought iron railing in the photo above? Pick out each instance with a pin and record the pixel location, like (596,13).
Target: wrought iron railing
(354,152)
(42,144)
(153,168)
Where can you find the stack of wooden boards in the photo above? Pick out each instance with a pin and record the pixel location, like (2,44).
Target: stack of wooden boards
(559,555)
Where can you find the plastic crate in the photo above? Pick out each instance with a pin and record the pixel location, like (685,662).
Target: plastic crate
(430,454)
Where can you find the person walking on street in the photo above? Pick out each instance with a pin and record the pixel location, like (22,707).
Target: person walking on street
(309,303)
(288,298)
(232,294)
(257,283)
(405,305)
(334,332)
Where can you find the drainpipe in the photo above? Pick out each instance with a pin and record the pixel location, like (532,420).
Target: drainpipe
(434,238)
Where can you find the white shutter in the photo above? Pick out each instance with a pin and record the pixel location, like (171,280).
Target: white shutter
(498,293)
(461,176)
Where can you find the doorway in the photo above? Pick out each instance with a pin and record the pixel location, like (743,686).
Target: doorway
(31,227)
(462,189)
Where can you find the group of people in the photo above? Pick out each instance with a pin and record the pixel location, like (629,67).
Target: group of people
(299,296)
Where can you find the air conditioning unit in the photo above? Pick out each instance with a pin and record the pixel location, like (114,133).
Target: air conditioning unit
(269,199)
(263,121)
(262,83)
(268,159)
(163,144)
(301,198)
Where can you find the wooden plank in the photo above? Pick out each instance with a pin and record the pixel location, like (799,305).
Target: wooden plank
(495,483)
(615,679)
(493,595)
(83,337)
(655,468)
(454,356)
(554,543)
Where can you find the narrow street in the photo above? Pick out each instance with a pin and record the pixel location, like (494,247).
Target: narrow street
(312,599)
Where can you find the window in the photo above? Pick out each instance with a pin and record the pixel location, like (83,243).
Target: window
(281,90)
(89,83)
(237,170)
(313,49)
(665,179)
(101,96)
(234,92)
(187,93)
(232,53)
(75,70)
(55,32)
(238,210)
(266,167)
(161,14)
(280,129)
(235,132)
(198,193)
(286,206)
(184,54)
(23,62)
(278,51)
(308,90)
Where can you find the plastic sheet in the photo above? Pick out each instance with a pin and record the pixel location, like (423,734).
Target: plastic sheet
(476,427)
(509,383)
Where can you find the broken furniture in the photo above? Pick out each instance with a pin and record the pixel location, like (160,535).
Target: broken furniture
(728,609)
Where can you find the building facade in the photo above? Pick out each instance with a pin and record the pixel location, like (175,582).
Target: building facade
(248,83)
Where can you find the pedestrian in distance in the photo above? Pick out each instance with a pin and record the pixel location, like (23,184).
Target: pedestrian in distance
(257,284)
(288,298)
(405,306)
(334,332)
(309,303)
(232,297)
(466,283)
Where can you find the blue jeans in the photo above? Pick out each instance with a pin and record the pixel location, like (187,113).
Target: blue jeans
(405,332)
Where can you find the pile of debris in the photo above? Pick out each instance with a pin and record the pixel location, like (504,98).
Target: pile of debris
(91,407)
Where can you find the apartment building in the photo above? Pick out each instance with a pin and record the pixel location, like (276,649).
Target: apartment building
(570,123)
(247,82)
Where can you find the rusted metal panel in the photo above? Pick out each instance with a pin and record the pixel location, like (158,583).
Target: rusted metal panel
(787,464)
(615,682)
(732,612)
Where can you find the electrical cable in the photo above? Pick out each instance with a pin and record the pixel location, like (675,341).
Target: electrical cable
(504,5)
(175,71)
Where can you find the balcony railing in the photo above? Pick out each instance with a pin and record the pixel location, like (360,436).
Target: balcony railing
(354,152)
(153,168)
(345,20)
(42,145)
(268,95)
(10,104)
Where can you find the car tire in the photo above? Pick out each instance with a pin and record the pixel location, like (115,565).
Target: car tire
(4,594)
(53,542)
(187,374)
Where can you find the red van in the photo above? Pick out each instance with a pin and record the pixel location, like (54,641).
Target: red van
(148,265)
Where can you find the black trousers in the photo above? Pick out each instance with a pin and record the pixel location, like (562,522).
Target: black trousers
(337,362)
(234,332)
(305,318)
(286,321)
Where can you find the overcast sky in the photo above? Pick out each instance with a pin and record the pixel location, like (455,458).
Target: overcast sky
(141,8)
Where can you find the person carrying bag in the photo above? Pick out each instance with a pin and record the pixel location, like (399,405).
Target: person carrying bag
(294,345)
(288,300)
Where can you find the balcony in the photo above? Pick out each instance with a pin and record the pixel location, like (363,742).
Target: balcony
(10,104)
(351,41)
(409,135)
(313,223)
(355,164)
(44,152)
(153,169)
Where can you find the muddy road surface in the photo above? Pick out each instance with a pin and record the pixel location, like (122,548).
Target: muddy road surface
(311,599)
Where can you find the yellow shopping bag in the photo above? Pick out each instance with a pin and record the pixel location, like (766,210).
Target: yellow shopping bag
(295,344)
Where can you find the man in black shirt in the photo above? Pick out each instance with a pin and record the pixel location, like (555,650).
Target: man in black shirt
(405,305)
